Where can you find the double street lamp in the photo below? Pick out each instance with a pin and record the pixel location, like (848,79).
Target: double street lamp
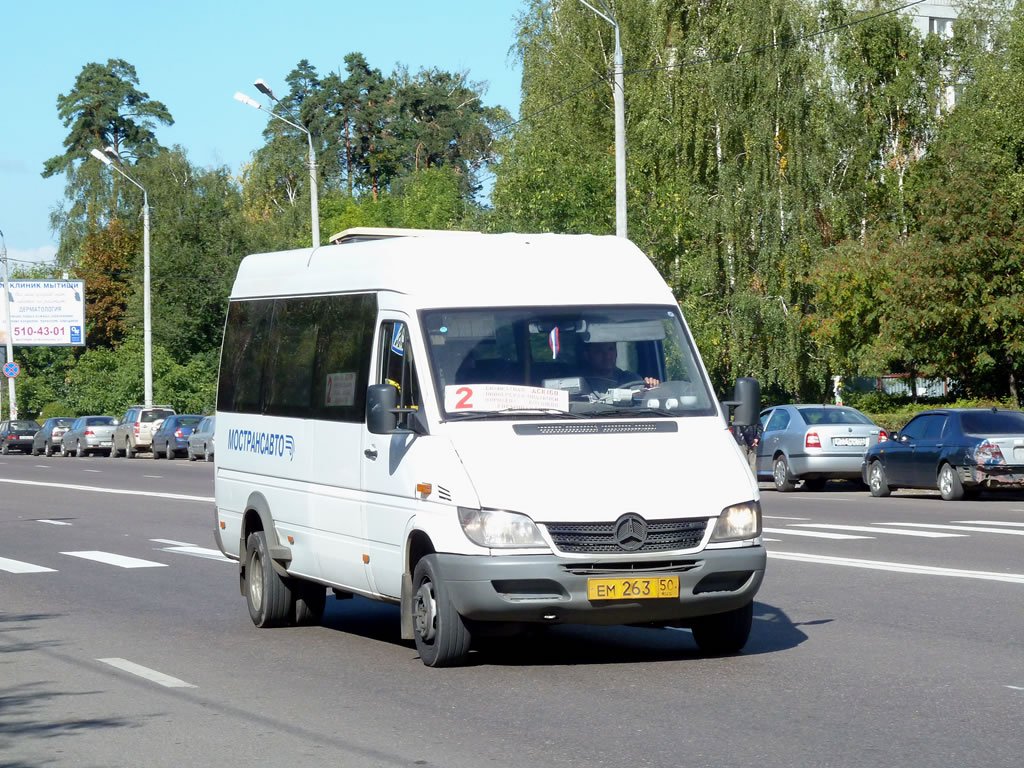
(314,205)
(110,157)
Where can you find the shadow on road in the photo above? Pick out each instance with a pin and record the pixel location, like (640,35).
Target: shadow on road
(566,644)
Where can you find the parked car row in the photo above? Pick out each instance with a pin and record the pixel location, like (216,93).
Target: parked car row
(157,429)
(957,451)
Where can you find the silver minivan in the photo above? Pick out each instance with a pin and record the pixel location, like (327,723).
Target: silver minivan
(135,432)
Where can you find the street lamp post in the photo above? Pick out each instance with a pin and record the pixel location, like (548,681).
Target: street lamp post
(12,405)
(107,157)
(314,203)
(618,92)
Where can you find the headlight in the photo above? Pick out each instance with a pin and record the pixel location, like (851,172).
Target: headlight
(740,521)
(497,529)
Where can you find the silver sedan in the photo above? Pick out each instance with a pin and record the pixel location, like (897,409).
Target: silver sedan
(813,444)
(89,434)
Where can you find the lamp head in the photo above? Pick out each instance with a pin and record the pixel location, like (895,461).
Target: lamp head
(100,156)
(263,88)
(246,100)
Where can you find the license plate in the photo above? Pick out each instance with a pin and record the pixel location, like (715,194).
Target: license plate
(632,589)
(849,441)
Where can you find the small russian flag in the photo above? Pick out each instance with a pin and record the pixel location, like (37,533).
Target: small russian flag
(553,343)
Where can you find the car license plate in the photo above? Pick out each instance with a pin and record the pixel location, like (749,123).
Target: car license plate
(849,441)
(632,589)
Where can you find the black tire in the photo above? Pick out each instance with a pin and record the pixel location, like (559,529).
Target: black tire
(47,449)
(113,449)
(877,481)
(442,637)
(153,452)
(129,451)
(815,484)
(310,601)
(950,487)
(781,476)
(207,455)
(64,449)
(268,595)
(4,450)
(168,451)
(724,633)
(79,450)
(191,456)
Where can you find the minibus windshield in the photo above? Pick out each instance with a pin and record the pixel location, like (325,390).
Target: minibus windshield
(545,362)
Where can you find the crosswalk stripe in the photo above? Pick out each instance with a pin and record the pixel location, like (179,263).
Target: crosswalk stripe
(121,561)
(17,566)
(991,522)
(873,529)
(816,534)
(971,528)
(208,554)
(54,522)
(145,672)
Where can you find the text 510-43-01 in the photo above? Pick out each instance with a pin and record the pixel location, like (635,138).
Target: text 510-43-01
(46,330)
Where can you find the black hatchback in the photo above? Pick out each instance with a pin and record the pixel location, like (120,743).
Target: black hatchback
(17,435)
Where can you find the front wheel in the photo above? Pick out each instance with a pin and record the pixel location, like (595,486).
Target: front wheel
(724,633)
(267,594)
(877,481)
(442,637)
(784,481)
(950,486)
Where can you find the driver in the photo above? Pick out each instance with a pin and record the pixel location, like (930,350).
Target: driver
(599,359)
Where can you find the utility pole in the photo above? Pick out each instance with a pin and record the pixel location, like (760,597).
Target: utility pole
(619,95)
(13,403)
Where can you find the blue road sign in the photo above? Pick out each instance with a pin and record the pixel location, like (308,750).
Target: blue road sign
(12,369)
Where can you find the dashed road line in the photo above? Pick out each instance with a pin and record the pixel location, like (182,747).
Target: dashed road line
(145,672)
(874,529)
(184,548)
(815,534)
(120,491)
(970,528)
(780,517)
(17,566)
(54,522)
(121,561)
(880,565)
(990,522)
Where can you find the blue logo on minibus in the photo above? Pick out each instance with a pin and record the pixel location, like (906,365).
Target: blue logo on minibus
(263,443)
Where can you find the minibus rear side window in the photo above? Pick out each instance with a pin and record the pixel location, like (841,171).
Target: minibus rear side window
(244,354)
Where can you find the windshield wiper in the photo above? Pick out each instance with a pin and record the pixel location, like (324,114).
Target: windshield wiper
(533,412)
(632,412)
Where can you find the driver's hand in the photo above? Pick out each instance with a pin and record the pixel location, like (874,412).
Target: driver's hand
(650,381)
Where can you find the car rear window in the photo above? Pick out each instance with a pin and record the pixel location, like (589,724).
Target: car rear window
(63,422)
(24,425)
(155,415)
(833,416)
(99,421)
(189,421)
(989,423)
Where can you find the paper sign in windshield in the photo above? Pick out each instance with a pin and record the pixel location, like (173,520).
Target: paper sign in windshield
(499,397)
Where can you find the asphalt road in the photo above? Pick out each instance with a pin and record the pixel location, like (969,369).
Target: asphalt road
(888,632)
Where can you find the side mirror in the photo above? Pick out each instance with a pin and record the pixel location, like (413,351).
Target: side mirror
(746,401)
(381,402)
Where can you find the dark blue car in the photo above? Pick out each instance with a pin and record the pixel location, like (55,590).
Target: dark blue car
(171,437)
(957,450)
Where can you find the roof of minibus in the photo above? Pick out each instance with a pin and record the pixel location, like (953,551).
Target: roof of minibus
(466,269)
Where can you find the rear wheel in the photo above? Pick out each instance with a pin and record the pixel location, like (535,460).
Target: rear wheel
(207,454)
(47,449)
(79,450)
(4,450)
(784,481)
(168,452)
(191,456)
(129,451)
(877,481)
(153,452)
(950,486)
(724,633)
(268,595)
(442,637)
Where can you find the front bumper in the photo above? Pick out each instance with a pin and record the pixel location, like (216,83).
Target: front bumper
(553,590)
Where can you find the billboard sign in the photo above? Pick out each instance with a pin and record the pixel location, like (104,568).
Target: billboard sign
(49,313)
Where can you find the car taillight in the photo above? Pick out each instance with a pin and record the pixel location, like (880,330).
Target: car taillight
(136,428)
(812,440)
(55,433)
(89,432)
(177,433)
(11,437)
(989,453)
(882,436)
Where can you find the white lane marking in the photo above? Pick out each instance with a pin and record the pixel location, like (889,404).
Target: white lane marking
(54,522)
(145,672)
(155,477)
(17,566)
(816,534)
(991,522)
(173,542)
(41,466)
(872,529)
(1015,688)
(208,554)
(121,561)
(775,540)
(879,565)
(98,471)
(178,496)
(779,517)
(972,528)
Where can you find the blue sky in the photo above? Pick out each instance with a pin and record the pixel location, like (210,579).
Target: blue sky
(193,56)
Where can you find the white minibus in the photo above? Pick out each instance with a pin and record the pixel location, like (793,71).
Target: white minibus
(491,431)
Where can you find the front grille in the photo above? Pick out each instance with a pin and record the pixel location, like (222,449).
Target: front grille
(599,538)
(634,566)
(617,428)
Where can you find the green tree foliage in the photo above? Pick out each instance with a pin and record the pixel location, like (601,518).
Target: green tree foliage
(105,263)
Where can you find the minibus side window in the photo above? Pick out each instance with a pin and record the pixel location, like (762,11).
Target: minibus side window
(243,357)
(289,376)
(344,353)
(396,364)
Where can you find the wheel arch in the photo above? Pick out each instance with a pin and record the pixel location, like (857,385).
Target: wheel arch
(417,546)
(257,517)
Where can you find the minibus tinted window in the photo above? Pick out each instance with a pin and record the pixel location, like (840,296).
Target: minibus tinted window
(243,356)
